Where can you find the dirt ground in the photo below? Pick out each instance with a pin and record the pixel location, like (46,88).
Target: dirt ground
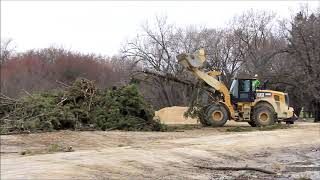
(291,153)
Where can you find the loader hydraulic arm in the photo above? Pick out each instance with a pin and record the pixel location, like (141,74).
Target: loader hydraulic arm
(193,62)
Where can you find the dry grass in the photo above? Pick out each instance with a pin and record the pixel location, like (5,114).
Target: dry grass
(52,148)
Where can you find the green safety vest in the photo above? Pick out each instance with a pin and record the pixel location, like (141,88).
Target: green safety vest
(256,83)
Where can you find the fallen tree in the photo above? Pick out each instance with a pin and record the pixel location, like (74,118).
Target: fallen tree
(79,106)
(201,97)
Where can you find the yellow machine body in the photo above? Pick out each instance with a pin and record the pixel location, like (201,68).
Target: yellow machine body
(239,111)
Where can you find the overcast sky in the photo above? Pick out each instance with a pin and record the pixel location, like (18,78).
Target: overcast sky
(102,26)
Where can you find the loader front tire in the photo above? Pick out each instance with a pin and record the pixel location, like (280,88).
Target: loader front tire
(216,115)
(263,116)
(202,115)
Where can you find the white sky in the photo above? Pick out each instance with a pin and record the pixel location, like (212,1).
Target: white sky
(102,26)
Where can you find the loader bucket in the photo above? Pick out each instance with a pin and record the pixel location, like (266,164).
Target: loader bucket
(194,60)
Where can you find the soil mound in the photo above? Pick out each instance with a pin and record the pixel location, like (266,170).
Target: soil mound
(174,115)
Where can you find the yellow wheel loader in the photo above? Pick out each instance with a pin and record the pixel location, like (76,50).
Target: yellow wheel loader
(242,103)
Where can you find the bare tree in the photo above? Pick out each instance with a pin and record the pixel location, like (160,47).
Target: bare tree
(224,53)
(153,50)
(304,48)
(260,44)
(157,47)
(6,50)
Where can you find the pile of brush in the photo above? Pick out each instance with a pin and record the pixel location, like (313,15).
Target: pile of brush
(80,106)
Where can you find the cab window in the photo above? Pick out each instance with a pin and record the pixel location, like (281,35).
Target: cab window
(245,86)
(234,88)
(245,91)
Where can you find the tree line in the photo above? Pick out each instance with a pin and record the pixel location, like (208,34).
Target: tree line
(284,52)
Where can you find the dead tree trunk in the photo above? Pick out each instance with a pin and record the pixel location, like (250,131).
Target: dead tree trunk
(317,112)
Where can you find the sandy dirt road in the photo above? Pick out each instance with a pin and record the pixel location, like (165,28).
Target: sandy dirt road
(292,153)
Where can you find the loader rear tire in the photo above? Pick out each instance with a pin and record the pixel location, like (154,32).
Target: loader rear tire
(263,116)
(216,115)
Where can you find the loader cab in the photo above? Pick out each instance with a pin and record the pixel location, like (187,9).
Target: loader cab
(242,90)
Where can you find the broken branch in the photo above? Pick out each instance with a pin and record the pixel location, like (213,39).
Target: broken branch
(236,169)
